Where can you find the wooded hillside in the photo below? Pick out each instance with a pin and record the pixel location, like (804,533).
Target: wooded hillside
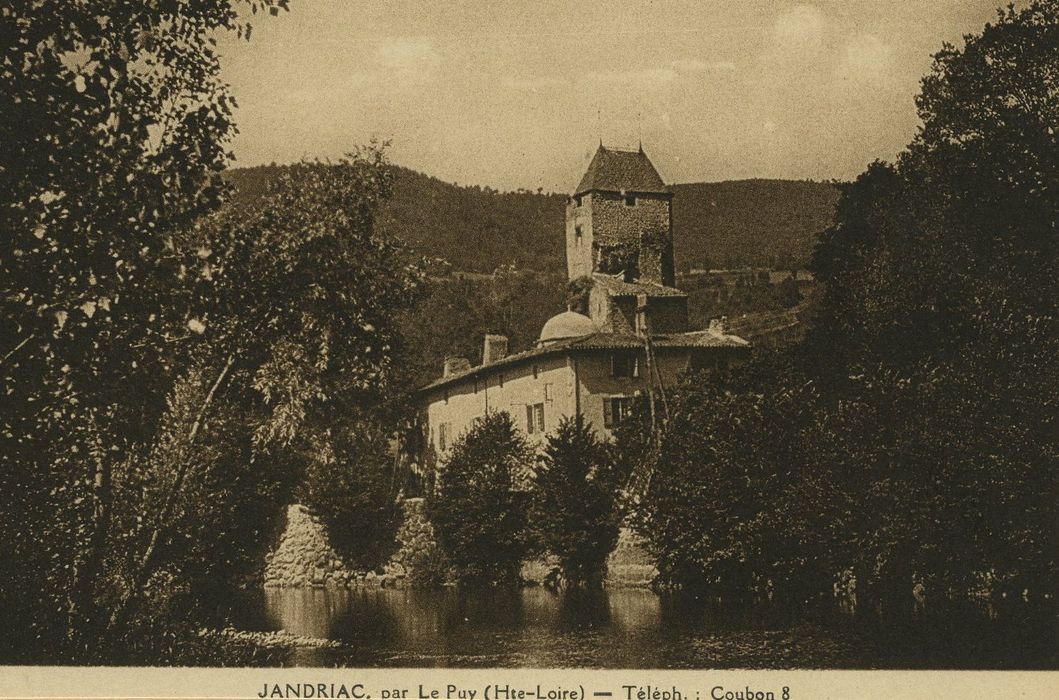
(771,223)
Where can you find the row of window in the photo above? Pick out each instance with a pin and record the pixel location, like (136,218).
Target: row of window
(534,424)
(615,410)
(625,365)
(479,383)
(622,365)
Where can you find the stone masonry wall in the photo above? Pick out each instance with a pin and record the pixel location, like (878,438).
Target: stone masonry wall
(415,540)
(629,565)
(304,556)
(606,222)
(645,226)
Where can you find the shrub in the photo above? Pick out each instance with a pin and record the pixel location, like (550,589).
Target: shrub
(428,567)
(574,505)
(747,493)
(477,513)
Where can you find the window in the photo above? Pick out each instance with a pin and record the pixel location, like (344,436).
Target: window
(624,365)
(476,386)
(616,409)
(630,200)
(446,396)
(535,418)
(536,370)
(444,430)
(500,380)
(577,235)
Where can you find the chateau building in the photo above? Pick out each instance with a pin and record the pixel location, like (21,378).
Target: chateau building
(627,336)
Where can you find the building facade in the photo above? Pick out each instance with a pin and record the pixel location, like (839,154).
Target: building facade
(627,336)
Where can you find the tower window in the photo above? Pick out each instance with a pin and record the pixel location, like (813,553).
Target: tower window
(630,200)
(577,235)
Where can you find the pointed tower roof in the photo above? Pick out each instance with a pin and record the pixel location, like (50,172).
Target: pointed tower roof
(614,170)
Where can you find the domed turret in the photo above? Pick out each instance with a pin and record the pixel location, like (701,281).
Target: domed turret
(568,324)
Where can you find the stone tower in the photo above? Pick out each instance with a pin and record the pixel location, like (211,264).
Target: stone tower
(619,220)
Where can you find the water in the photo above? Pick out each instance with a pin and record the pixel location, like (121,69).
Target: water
(629,628)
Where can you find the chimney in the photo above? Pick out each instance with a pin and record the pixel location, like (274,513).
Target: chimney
(643,321)
(455,365)
(495,348)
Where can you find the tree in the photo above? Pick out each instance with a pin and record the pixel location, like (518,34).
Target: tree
(935,302)
(115,124)
(575,501)
(355,494)
(747,493)
(479,510)
(454,314)
(294,302)
(912,438)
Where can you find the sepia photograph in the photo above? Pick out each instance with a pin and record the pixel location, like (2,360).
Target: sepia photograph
(630,335)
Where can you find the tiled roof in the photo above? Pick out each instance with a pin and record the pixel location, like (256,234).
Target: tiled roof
(620,288)
(601,341)
(612,170)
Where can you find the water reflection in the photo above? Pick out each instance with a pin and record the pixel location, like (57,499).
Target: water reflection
(623,628)
(582,609)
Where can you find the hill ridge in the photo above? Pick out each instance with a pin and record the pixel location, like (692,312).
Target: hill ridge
(763,222)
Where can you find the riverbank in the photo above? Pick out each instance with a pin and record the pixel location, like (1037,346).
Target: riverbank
(628,628)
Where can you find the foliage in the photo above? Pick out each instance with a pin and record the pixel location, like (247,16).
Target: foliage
(760,223)
(936,303)
(912,437)
(477,510)
(429,567)
(574,502)
(295,362)
(633,442)
(506,250)
(710,297)
(115,124)
(939,250)
(478,229)
(743,496)
(182,372)
(454,314)
(354,494)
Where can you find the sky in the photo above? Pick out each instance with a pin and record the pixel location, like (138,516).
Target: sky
(512,94)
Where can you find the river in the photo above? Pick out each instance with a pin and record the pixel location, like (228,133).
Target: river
(630,628)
